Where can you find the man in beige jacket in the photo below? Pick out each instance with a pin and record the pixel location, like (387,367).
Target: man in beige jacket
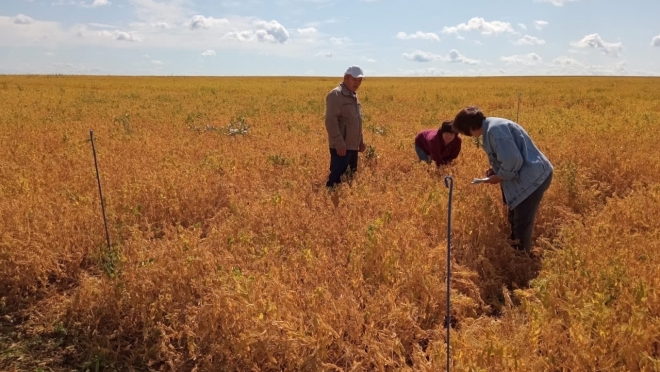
(343,121)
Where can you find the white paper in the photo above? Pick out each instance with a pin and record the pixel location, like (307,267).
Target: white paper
(479,180)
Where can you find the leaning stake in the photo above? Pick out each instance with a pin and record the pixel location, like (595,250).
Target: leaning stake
(449,182)
(98,180)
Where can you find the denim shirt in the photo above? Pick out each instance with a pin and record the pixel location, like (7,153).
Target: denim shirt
(514,158)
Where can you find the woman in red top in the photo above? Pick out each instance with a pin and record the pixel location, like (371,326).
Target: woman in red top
(440,145)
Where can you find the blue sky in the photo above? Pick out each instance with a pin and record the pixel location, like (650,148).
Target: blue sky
(323,37)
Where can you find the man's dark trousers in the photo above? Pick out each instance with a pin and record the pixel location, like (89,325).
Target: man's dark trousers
(340,165)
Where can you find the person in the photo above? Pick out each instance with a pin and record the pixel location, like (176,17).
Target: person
(343,122)
(440,145)
(521,169)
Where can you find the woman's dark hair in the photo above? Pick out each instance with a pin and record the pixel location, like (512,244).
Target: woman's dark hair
(446,127)
(468,118)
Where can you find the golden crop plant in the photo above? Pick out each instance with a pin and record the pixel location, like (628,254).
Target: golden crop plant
(228,254)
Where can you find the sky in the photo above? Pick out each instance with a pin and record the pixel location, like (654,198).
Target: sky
(324,37)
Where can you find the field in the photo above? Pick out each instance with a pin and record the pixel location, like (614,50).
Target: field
(228,254)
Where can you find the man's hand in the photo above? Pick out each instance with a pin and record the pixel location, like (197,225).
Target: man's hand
(341,151)
(490,172)
(362,147)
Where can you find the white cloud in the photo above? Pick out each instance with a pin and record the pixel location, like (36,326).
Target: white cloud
(524,59)
(597,70)
(540,24)
(162,25)
(370,60)
(421,56)
(655,41)
(82,3)
(486,72)
(199,21)
(566,61)
(73,68)
(243,33)
(596,42)
(271,31)
(568,66)
(319,23)
(325,54)
(261,31)
(126,36)
(241,3)
(340,40)
(556,2)
(307,35)
(116,35)
(307,31)
(418,35)
(453,57)
(156,11)
(646,73)
(622,67)
(522,26)
(481,25)
(526,65)
(208,53)
(63,2)
(456,57)
(98,3)
(431,71)
(22,19)
(101,25)
(157,62)
(247,35)
(529,40)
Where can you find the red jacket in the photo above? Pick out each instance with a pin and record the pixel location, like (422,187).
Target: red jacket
(430,140)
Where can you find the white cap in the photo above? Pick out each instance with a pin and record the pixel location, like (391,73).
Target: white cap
(354,71)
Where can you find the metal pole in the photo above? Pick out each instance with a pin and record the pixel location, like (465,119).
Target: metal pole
(518,112)
(98,180)
(449,182)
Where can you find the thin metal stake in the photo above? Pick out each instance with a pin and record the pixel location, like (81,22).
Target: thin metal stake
(449,182)
(98,179)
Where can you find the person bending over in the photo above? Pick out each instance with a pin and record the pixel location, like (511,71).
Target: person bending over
(441,145)
(521,169)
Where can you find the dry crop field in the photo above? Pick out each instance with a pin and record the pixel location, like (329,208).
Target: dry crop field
(227,253)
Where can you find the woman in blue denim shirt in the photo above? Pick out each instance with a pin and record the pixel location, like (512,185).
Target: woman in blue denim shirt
(521,169)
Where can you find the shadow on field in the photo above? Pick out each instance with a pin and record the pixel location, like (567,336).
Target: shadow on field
(502,270)
(481,244)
